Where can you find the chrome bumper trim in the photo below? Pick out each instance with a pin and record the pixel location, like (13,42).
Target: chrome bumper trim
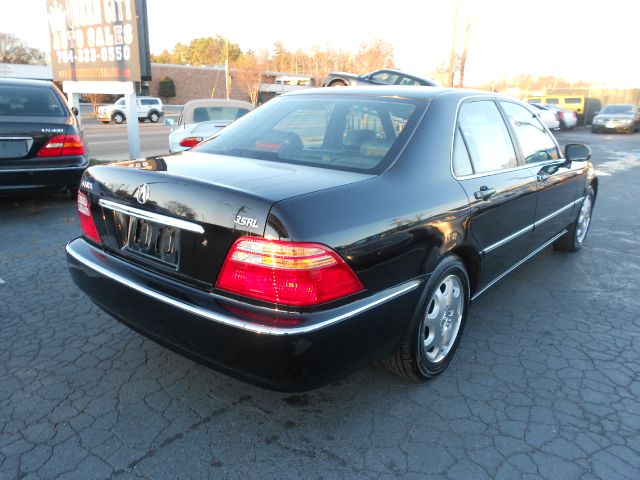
(362,305)
(152,217)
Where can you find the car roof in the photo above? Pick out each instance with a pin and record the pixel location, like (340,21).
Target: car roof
(217,102)
(25,82)
(407,92)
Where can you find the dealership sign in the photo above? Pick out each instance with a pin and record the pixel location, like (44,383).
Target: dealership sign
(96,39)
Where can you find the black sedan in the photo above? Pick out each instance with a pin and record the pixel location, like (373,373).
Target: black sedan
(379,77)
(329,228)
(40,142)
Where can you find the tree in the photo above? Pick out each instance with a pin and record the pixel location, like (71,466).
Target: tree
(95,99)
(14,50)
(163,57)
(378,54)
(167,89)
(248,74)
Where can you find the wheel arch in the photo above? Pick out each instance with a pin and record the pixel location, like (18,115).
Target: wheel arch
(471,260)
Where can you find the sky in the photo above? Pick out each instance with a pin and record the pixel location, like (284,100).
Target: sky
(577,40)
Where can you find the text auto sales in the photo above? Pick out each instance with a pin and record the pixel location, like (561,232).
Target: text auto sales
(96,37)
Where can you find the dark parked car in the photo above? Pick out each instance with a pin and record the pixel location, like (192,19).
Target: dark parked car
(328,228)
(620,118)
(40,143)
(379,77)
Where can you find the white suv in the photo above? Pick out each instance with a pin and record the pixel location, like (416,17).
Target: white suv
(148,108)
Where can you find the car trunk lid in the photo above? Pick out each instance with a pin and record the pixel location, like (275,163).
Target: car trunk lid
(180,214)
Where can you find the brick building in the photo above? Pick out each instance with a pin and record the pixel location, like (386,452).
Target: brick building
(194,82)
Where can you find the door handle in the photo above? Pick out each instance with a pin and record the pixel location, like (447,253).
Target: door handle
(543,176)
(485,193)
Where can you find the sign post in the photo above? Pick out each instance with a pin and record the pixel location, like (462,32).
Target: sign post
(101,47)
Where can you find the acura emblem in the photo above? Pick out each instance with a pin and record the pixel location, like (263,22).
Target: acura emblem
(142,193)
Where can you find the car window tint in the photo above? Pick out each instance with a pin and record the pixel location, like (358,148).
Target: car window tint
(149,101)
(338,132)
(486,137)
(573,100)
(408,81)
(553,101)
(225,114)
(535,142)
(21,100)
(385,77)
(120,101)
(461,161)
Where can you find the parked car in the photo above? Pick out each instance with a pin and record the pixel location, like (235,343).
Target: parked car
(620,118)
(41,145)
(549,117)
(147,108)
(379,77)
(584,107)
(330,227)
(202,118)
(568,118)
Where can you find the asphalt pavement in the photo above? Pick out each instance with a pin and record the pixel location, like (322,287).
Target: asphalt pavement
(545,383)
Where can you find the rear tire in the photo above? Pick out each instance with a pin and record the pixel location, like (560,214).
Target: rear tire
(153,117)
(573,240)
(434,334)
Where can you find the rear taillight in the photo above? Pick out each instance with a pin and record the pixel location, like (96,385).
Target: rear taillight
(190,141)
(63,145)
(560,116)
(86,220)
(286,273)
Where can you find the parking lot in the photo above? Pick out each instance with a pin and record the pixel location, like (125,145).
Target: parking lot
(545,384)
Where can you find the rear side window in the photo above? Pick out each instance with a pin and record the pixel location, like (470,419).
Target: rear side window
(341,132)
(536,144)
(486,137)
(34,101)
(149,101)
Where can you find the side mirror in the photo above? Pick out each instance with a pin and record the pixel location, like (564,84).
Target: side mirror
(169,122)
(75,111)
(577,152)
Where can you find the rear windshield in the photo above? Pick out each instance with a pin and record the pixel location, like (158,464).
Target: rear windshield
(22,100)
(227,114)
(617,109)
(353,133)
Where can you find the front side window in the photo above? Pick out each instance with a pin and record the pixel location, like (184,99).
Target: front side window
(387,78)
(536,144)
(553,101)
(408,81)
(486,137)
(339,132)
(120,101)
(18,100)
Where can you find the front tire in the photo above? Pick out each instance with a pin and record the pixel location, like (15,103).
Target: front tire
(435,332)
(118,118)
(573,240)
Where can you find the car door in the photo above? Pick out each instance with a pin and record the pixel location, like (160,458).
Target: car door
(557,180)
(141,109)
(501,191)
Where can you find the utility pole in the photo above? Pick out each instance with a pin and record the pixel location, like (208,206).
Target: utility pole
(463,60)
(227,76)
(452,56)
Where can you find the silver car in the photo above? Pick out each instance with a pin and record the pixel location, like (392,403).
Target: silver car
(202,118)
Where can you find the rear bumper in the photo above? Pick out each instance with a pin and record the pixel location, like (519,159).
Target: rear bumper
(41,178)
(277,350)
